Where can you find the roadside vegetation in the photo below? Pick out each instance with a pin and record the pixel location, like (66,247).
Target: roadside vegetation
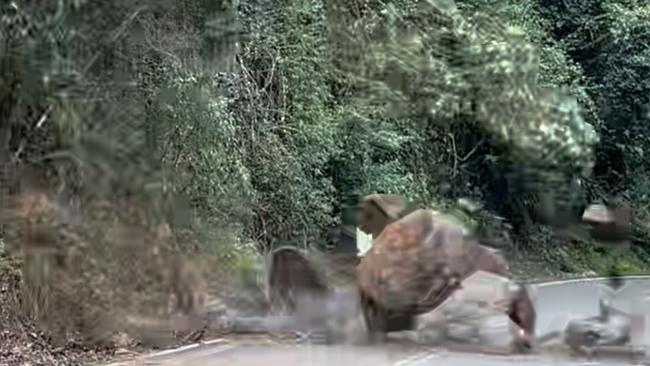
(145,144)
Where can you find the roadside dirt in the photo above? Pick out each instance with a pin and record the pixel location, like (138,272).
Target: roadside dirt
(22,342)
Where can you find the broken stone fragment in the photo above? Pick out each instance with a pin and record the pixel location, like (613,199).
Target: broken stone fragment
(608,224)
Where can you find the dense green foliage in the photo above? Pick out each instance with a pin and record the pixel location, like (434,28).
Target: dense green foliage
(258,117)
(610,43)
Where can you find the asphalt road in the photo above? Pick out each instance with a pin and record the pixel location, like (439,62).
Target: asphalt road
(389,355)
(556,302)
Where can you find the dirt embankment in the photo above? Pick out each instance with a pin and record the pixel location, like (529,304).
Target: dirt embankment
(23,343)
(80,283)
(90,277)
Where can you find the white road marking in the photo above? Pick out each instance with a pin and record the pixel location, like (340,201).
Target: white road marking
(422,356)
(586,279)
(196,355)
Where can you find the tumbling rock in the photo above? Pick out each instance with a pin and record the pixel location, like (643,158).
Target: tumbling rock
(609,224)
(378,210)
(419,260)
(612,327)
(291,275)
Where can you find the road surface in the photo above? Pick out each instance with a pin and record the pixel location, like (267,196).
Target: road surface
(556,301)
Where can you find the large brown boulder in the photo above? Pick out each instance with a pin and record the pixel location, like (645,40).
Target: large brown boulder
(418,261)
